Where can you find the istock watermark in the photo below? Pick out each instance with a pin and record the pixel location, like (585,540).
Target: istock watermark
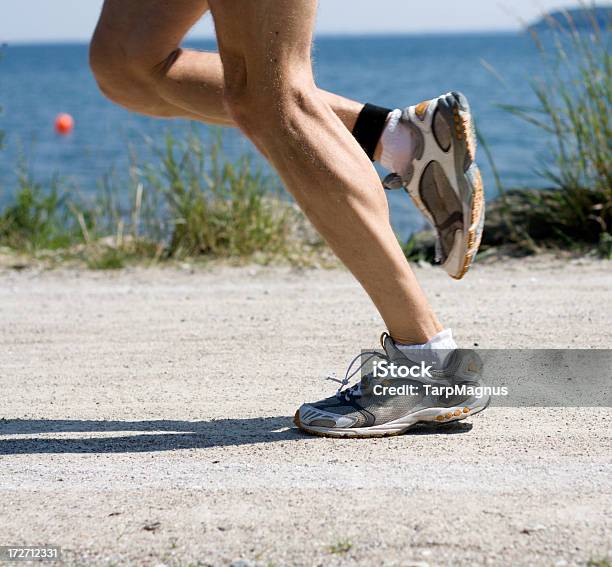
(511,377)
(387,369)
(443,391)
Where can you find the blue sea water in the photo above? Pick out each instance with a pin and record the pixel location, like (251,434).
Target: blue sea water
(39,81)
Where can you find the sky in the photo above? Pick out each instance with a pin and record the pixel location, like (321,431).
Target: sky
(74,20)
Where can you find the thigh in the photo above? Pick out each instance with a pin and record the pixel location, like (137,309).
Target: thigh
(148,30)
(267,39)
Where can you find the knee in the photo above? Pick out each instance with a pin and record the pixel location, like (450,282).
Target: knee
(268,108)
(122,76)
(110,66)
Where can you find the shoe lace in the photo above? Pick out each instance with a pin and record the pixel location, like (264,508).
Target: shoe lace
(355,390)
(392,182)
(438,253)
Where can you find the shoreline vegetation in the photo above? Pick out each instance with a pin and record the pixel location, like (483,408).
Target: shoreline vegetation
(193,203)
(189,202)
(574,100)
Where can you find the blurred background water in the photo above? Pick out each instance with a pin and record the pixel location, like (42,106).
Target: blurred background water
(39,81)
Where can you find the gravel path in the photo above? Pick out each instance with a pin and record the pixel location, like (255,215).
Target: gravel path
(145,420)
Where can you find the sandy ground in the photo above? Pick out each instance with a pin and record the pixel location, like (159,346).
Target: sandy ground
(145,420)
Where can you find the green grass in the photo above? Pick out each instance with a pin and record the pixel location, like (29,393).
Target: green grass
(574,99)
(574,96)
(1,109)
(39,218)
(340,547)
(108,259)
(420,248)
(218,207)
(188,201)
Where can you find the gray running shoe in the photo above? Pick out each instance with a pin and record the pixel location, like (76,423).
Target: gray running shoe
(379,407)
(443,179)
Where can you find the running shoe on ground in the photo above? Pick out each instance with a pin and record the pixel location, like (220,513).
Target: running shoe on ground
(443,179)
(371,408)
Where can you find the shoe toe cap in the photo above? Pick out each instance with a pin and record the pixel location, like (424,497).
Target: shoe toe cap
(310,415)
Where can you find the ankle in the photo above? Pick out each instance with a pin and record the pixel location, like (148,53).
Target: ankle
(426,331)
(369,127)
(380,153)
(397,144)
(442,339)
(435,351)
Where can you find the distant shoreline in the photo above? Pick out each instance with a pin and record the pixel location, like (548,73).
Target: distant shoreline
(579,18)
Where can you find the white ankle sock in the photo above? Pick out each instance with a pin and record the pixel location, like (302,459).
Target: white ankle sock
(436,351)
(397,144)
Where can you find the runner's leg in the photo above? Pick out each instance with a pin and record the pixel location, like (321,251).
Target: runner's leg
(137,59)
(138,62)
(265,48)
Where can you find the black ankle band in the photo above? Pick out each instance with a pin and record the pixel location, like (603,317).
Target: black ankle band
(369,127)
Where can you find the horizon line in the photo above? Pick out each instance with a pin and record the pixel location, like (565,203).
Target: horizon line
(322,35)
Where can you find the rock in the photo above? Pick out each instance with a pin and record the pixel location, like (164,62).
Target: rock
(533,529)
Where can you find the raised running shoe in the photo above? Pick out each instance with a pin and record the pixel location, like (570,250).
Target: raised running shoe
(443,179)
(398,394)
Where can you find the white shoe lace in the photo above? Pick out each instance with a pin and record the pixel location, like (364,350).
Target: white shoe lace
(353,391)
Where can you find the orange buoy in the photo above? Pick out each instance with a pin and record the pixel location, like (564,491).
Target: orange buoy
(64,124)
